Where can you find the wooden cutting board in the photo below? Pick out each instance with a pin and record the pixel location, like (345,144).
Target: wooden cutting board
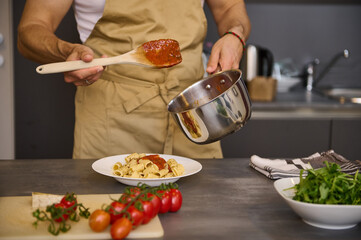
(16,221)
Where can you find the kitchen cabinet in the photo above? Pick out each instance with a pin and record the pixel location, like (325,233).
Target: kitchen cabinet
(294,138)
(346,137)
(278,137)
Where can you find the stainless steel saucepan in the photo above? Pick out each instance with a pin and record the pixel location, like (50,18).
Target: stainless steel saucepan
(213,107)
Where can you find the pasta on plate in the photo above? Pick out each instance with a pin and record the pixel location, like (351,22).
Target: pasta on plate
(140,165)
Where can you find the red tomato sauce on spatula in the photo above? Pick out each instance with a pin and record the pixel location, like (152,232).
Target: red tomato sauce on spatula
(163,52)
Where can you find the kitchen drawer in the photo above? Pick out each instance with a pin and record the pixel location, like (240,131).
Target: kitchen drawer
(289,138)
(346,137)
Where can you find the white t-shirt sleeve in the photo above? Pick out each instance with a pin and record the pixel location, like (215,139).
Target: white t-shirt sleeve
(87,14)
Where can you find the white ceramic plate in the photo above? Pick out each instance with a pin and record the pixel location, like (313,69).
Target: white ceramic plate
(329,216)
(105,166)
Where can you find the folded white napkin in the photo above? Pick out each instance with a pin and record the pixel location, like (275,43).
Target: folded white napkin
(282,168)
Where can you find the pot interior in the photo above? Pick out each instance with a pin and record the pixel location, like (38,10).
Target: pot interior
(204,91)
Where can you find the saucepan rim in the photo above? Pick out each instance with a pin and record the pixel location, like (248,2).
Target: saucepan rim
(198,82)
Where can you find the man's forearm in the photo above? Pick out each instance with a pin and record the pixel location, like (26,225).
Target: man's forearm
(231,16)
(236,20)
(36,38)
(38,44)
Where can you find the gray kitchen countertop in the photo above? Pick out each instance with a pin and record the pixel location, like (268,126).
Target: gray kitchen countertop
(303,104)
(227,199)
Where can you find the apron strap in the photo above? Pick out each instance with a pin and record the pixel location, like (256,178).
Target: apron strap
(142,97)
(168,143)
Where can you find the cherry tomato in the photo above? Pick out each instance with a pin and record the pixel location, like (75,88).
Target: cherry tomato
(115,209)
(69,200)
(176,200)
(59,208)
(155,200)
(148,211)
(136,215)
(165,201)
(99,220)
(121,228)
(125,198)
(134,191)
(129,195)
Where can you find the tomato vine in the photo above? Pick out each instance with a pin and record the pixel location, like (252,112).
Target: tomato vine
(57,214)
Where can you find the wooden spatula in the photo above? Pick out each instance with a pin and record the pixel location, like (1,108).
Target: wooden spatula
(157,53)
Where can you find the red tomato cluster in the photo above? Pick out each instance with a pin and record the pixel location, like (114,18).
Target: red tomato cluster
(136,206)
(67,206)
(60,212)
(171,200)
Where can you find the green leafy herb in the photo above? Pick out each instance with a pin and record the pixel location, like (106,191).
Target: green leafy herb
(328,185)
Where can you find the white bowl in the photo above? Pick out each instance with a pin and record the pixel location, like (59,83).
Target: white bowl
(327,216)
(286,83)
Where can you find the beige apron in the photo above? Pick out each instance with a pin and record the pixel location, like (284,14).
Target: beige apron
(126,110)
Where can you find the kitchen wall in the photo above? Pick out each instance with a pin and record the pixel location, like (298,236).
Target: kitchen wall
(301,30)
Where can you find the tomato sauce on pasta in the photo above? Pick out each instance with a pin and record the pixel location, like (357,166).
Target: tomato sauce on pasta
(140,165)
(157,160)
